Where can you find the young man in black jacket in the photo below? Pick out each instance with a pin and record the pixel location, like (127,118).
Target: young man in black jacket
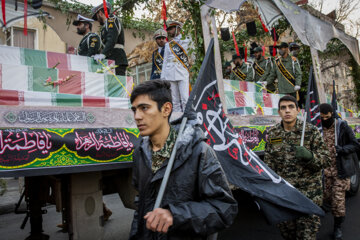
(337,182)
(197,201)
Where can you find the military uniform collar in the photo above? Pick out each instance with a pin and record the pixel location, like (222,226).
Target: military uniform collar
(288,58)
(297,126)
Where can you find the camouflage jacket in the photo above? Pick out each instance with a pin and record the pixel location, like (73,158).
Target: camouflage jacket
(293,67)
(280,156)
(164,153)
(266,65)
(244,68)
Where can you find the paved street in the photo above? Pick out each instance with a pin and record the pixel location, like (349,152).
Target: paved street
(249,225)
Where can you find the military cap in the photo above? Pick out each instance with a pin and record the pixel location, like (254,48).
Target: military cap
(96,9)
(81,19)
(171,23)
(160,33)
(258,49)
(293,45)
(235,56)
(283,45)
(227,64)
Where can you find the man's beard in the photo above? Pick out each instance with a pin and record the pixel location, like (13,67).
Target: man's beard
(258,57)
(238,64)
(81,31)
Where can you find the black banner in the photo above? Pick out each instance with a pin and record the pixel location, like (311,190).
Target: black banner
(279,200)
(312,105)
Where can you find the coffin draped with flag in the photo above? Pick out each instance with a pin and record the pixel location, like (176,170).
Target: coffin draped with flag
(244,169)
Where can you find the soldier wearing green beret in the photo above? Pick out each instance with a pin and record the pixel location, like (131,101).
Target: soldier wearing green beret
(90,44)
(287,71)
(112,37)
(242,70)
(227,70)
(262,66)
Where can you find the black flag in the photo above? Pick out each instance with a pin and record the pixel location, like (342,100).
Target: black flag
(312,105)
(278,199)
(334,102)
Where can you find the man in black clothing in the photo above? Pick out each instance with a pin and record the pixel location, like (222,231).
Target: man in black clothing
(112,37)
(197,202)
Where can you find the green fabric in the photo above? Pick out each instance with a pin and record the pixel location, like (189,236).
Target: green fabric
(113,88)
(70,100)
(293,66)
(38,77)
(230,99)
(34,58)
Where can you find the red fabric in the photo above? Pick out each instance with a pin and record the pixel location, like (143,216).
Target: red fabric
(245,53)
(92,101)
(163,11)
(263,25)
(3,11)
(105,9)
(72,86)
(267,100)
(239,99)
(25,17)
(243,86)
(275,40)
(263,52)
(235,44)
(9,97)
(53,58)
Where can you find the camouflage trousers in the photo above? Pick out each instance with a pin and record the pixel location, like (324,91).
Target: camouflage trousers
(334,193)
(303,228)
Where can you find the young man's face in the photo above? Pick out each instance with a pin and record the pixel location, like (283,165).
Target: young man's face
(257,55)
(161,41)
(238,61)
(81,29)
(288,111)
(148,118)
(171,31)
(325,116)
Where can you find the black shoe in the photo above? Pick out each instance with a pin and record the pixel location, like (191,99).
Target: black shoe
(338,234)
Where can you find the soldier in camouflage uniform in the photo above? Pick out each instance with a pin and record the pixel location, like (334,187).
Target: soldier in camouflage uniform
(262,66)
(112,37)
(287,70)
(336,184)
(90,43)
(299,165)
(242,70)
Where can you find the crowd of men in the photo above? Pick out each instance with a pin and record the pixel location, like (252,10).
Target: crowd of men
(281,74)
(198,202)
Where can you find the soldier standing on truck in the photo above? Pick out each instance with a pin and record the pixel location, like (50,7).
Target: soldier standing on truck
(158,55)
(90,43)
(262,65)
(197,201)
(337,180)
(242,70)
(288,72)
(301,166)
(112,37)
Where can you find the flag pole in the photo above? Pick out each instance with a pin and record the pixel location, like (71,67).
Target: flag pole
(169,166)
(303,130)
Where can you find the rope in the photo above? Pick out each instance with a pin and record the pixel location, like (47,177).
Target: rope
(107,68)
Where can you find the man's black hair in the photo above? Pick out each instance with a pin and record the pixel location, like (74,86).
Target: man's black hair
(325,108)
(288,98)
(158,90)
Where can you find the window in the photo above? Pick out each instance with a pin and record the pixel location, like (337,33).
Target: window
(16,38)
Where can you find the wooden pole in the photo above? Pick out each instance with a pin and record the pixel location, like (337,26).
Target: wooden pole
(317,74)
(210,31)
